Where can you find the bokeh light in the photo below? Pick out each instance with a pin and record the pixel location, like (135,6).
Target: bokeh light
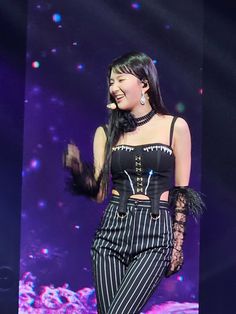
(180,107)
(200,91)
(35,64)
(135,5)
(80,66)
(180,278)
(45,251)
(35,164)
(56,17)
(42,204)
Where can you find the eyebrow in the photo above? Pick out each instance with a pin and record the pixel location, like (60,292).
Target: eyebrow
(117,76)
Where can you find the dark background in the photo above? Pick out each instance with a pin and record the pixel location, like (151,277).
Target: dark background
(218,257)
(218,228)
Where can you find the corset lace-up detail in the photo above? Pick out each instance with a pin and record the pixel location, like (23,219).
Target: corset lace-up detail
(143,169)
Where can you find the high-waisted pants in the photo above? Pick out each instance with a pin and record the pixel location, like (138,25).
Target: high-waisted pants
(130,255)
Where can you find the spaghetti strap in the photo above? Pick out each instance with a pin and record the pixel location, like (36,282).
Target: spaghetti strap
(172,129)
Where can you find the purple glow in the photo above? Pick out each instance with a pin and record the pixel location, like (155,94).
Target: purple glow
(180,278)
(42,204)
(49,299)
(60,204)
(136,5)
(45,251)
(36,90)
(35,164)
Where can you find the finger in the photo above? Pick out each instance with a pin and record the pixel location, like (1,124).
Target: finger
(71,146)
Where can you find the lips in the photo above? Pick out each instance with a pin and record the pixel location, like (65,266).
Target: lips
(119,98)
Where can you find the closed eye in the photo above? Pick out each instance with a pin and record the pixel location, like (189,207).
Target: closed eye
(118,80)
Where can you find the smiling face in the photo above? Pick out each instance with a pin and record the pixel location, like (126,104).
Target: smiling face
(126,89)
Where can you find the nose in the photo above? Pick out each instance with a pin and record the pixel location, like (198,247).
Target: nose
(114,89)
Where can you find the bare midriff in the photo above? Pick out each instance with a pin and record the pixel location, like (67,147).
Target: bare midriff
(164,195)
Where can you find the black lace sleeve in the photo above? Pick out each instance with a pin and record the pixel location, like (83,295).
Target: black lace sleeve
(183,200)
(82,179)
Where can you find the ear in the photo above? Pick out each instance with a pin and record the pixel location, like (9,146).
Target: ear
(145,84)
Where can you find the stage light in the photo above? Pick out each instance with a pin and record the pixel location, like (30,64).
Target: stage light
(56,17)
(80,67)
(200,91)
(35,64)
(180,107)
(45,251)
(34,163)
(135,5)
(41,204)
(180,278)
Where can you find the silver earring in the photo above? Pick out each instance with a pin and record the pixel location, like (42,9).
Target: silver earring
(142,99)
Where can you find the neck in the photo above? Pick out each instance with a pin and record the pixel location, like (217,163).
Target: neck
(140,110)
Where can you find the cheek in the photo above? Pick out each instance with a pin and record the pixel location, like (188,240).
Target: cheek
(131,89)
(133,93)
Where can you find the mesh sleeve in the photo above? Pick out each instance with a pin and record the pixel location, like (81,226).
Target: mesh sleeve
(82,179)
(183,200)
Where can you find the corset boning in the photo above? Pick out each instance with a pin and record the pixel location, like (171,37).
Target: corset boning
(144,169)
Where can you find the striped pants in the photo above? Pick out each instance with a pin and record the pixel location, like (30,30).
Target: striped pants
(130,255)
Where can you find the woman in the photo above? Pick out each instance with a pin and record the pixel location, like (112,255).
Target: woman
(140,237)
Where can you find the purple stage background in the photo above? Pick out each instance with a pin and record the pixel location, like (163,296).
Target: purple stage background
(69,47)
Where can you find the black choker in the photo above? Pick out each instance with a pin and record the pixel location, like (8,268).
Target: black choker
(144,119)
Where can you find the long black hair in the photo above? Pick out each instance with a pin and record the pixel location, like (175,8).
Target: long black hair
(120,121)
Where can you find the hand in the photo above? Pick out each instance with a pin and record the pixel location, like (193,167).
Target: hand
(176,263)
(71,155)
(112,106)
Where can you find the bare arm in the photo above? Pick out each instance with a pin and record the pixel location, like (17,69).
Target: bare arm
(99,157)
(182,151)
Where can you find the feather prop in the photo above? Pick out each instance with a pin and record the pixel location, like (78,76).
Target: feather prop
(191,199)
(82,180)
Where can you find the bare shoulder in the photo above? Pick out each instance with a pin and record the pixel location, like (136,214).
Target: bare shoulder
(169,117)
(181,125)
(182,136)
(99,140)
(100,133)
(181,130)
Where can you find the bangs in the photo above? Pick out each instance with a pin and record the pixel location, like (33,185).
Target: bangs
(122,68)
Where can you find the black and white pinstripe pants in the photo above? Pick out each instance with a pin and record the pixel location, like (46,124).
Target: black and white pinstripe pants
(130,255)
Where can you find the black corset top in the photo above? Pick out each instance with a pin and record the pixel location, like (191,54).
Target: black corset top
(143,169)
